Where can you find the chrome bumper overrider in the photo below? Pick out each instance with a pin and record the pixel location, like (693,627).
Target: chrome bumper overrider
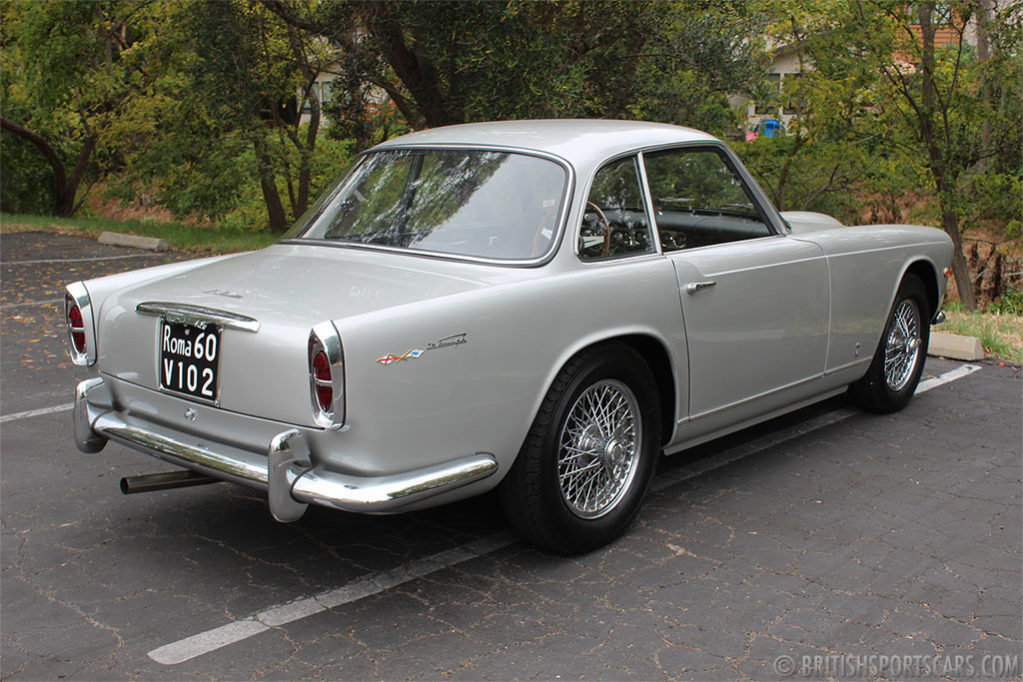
(286,471)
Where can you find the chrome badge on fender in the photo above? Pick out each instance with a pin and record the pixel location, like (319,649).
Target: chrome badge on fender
(391,359)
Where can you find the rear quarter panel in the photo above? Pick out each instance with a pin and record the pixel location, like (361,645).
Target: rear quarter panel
(482,395)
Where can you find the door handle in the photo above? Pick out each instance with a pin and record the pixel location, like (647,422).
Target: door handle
(693,287)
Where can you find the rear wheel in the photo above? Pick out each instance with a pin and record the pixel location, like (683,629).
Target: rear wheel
(586,464)
(899,360)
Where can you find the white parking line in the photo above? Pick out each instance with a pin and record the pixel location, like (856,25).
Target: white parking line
(949,376)
(30,303)
(211,640)
(35,413)
(275,616)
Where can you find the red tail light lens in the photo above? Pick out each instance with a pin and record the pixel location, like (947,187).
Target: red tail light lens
(76,325)
(322,380)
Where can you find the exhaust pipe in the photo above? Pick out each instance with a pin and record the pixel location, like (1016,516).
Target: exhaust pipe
(147,483)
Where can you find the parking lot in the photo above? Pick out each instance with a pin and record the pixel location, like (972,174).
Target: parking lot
(826,533)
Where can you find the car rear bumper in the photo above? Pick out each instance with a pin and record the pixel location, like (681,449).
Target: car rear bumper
(284,466)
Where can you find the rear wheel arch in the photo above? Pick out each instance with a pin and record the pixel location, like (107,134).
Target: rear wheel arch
(655,354)
(586,463)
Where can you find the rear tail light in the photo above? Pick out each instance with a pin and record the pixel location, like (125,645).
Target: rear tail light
(75,324)
(323,382)
(78,316)
(326,376)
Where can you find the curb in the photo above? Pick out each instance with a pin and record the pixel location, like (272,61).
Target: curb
(955,346)
(133,241)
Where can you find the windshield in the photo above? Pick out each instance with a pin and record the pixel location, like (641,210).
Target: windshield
(483,204)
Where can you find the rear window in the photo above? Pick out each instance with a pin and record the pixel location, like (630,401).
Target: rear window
(475,203)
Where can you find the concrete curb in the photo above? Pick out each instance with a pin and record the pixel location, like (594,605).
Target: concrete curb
(134,241)
(955,346)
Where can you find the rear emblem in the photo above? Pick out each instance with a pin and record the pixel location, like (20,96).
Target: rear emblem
(190,414)
(390,358)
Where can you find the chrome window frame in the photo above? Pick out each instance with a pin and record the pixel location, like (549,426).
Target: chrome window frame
(552,249)
(636,156)
(765,209)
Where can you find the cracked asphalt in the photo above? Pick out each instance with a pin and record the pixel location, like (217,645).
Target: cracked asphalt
(897,535)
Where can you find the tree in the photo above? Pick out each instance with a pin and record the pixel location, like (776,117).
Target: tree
(68,70)
(453,62)
(227,108)
(883,81)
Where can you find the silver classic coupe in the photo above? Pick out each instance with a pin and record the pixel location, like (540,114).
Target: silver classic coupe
(541,307)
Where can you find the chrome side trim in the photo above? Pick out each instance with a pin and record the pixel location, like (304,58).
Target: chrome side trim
(194,314)
(758,396)
(115,428)
(939,317)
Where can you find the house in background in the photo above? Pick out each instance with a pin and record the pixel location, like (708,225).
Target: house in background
(774,114)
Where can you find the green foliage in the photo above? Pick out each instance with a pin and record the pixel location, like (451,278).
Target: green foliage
(197,102)
(1009,303)
(67,70)
(181,236)
(27,185)
(450,62)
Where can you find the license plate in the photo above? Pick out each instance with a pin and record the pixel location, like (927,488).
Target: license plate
(190,359)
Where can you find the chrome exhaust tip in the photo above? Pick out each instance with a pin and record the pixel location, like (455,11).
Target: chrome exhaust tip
(147,483)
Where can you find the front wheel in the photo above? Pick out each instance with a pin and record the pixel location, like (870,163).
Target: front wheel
(585,467)
(899,360)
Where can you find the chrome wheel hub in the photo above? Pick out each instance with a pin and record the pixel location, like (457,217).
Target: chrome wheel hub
(599,447)
(902,347)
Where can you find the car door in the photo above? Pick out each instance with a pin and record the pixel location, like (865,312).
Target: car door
(754,301)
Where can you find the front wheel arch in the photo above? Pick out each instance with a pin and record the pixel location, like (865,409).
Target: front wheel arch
(889,382)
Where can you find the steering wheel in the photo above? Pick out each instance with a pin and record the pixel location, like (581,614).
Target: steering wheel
(607,227)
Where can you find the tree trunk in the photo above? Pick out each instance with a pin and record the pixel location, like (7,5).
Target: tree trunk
(416,72)
(961,271)
(271,197)
(64,188)
(944,179)
(985,10)
(783,175)
(305,157)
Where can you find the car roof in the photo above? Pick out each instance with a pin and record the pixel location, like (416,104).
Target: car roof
(579,141)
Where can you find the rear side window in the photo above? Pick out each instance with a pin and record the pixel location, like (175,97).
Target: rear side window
(699,200)
(615,222)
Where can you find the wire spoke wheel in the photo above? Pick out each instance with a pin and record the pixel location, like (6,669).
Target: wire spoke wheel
(902,346)
(599,448)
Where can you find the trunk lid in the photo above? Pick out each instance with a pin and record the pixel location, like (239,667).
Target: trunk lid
(288,289)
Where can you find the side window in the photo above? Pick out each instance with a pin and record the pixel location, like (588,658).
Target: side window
(615,223)
(699,200)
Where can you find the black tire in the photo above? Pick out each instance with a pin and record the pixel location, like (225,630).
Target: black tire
(560,517)
(883,392)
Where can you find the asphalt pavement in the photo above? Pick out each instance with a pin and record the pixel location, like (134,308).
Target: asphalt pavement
(825,544)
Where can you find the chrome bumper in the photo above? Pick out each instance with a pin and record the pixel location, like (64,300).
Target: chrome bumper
(286,471)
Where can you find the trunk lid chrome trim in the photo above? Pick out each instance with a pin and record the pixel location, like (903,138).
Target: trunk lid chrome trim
(194,314)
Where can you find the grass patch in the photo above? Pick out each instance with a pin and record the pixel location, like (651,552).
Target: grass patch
(182,237)
(1001,334)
